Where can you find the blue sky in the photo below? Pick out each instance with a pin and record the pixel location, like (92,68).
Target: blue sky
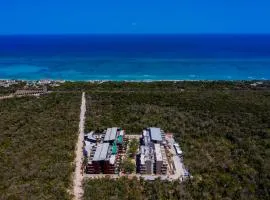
(134,16)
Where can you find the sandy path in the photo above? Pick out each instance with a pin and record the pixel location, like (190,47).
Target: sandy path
(78,177)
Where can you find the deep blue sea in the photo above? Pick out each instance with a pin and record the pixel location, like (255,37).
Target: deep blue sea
(135,57)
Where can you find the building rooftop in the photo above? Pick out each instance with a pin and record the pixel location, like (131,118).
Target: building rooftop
(88,146)
(177,148)
(144,133)
(122,132)
(155,134)
(158,152)
(112,159)
(101,152)
(120,139)
(114,149)
(110,134)
(142,159)
(90,136)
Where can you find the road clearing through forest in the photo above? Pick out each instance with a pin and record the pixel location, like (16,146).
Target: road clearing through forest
(78,175)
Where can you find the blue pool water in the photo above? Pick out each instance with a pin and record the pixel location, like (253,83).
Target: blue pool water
(135,57)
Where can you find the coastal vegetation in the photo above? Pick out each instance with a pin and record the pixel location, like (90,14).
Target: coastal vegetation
(133,189)
(133,147)
(158,86)
(11,89)
(37,142)
(223,129)
(128,166)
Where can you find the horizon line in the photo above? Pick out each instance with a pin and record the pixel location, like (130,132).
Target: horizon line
(105,34)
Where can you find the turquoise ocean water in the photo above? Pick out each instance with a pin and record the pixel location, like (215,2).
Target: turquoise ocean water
(135,57)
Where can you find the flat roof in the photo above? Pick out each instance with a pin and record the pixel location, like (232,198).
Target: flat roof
(155,134)
(158,152)
(113,133)
(110,134)
(101,152)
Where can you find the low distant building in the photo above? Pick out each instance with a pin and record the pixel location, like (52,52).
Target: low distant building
(257,83)
(31,92)
(7,83)
(44,82)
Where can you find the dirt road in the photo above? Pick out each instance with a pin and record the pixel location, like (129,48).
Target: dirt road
(78,176)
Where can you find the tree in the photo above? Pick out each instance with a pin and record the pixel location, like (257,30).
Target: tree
(133,146)
(128,166)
